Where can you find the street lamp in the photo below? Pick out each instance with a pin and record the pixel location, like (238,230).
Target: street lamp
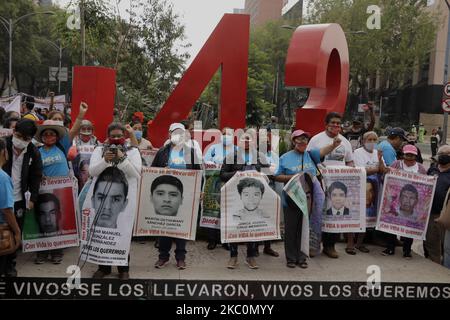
(9,25)
(58,48)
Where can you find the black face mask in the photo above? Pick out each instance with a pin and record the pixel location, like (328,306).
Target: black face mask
(444,159)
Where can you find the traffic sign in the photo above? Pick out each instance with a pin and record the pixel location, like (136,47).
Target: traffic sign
(55,75)
(447,89)
(446,105)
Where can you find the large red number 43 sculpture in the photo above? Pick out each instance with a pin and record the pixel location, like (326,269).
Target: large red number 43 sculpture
(317,59)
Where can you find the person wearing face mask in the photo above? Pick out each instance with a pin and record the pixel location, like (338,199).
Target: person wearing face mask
(143,144)
(370,158)
(246,158)
(291,163)
(116,153)
(342,155)
(216,154)
(435,233)
(86,135)
(69,135)
(24,166)
(175,155)
(408,163)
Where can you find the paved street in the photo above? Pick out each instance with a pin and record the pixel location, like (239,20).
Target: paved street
(203,264)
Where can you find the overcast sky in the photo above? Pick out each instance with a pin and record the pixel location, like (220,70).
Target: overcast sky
(199,17)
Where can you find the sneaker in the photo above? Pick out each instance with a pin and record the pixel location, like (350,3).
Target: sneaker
(124,275)
(291,264)
(161,263)
(330,252)
(181,265)
(56,259)
(251,262)
(232,263)
(99,274)
(388,252)
(271,252)
(407,255)
(40,259)
(211,246)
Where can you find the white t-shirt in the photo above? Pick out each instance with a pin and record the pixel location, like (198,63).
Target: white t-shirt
(339,156)
(366,159)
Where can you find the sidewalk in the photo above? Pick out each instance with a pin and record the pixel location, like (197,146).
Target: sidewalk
(203,264)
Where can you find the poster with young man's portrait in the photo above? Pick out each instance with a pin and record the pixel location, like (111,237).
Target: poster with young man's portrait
(148,156)
(211,197)
(373,198)
(107,218)
(81,164)
(250,209)
(52,224)
(406,204)
(345,205)
(169,202)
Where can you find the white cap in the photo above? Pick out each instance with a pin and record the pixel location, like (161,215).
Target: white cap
(175,126)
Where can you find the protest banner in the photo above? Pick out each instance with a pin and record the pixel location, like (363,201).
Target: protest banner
(81,164)
(373,198)
(250,209)
(107,218)
(345,207)
(52,223)
(168,203)
(406,204)
(211,197)
(148,156)
(310,200)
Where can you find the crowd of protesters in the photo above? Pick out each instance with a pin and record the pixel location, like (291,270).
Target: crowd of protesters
(42,145)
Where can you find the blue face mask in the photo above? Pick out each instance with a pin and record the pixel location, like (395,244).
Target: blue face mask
(138,135)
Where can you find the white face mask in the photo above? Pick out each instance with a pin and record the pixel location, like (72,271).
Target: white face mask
(19,143)
(176,139)
(370,146)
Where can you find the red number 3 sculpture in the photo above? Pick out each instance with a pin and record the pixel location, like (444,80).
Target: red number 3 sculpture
(318,59)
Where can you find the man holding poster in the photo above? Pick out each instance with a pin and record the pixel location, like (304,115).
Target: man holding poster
(175,155)
(250,209)
(110,207)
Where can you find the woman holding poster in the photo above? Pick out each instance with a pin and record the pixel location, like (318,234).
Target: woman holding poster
(370,158)
(408,198)
(291,163)
(175,155)
(116,170)
(56,144)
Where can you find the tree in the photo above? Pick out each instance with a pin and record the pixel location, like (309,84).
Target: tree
(393,52)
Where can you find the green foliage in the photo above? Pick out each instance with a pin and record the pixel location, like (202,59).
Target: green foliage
(396,50)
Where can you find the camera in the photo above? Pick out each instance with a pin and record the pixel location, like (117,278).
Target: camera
(113,148)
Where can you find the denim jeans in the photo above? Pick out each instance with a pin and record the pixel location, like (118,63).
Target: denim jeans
(447,249)
(165,244)
(251,249)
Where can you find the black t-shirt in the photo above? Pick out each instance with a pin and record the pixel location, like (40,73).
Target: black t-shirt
(355,138)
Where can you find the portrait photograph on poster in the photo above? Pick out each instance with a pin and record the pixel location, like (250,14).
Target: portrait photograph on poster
(168,203)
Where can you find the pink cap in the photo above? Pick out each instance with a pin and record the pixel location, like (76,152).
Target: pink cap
(409,148)
(298,133)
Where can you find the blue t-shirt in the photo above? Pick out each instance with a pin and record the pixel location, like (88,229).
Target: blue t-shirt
(176,159)
(389,154)
(54,161)
(6,194)
(293,162)
(218,152)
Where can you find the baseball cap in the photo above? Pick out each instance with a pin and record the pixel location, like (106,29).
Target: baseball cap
(357,120)
(397,132)
(175,126)
(409,148)
(298,133)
